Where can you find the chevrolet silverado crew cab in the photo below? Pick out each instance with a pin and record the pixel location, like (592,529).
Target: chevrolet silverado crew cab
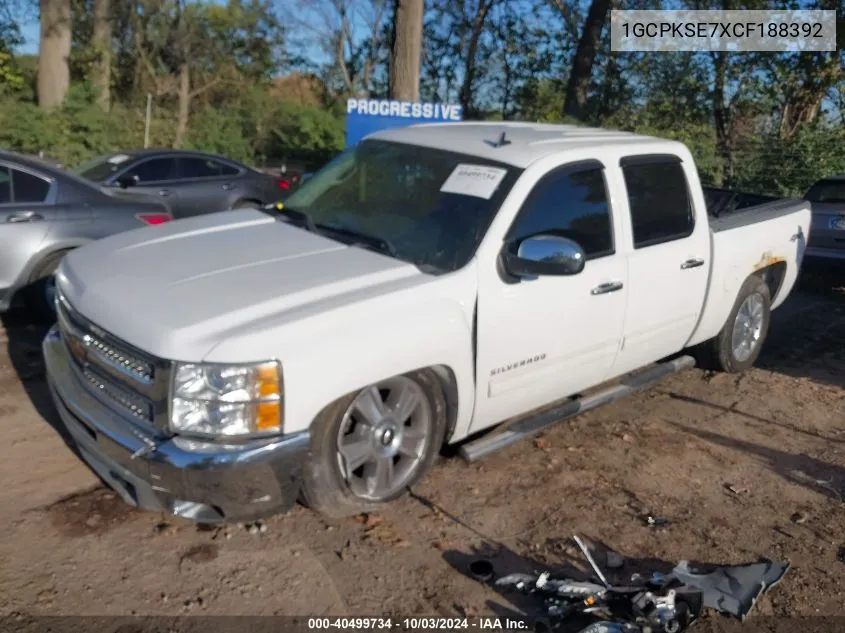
(429,284)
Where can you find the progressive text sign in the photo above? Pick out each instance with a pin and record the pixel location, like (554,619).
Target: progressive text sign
(365,116)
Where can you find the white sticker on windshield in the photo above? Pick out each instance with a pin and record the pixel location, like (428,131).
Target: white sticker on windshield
(118,158)
(480,181)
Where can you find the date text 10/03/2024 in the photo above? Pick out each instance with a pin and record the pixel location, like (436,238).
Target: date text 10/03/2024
(419,624)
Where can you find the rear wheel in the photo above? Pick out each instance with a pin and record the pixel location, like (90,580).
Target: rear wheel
(737,346)
(369,447)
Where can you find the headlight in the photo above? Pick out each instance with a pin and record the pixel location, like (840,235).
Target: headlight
(229,400)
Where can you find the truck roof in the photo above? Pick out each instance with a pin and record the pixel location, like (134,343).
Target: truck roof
(528,141)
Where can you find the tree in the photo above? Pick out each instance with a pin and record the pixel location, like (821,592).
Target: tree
(582,66)
(406,50)
(102,44)
(54,50)
(352,36)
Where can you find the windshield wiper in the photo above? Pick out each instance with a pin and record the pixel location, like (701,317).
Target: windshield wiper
(301,218)
(306,221)
(379,243)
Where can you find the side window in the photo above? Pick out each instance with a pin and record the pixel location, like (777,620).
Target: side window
(155,170)
(5,185)
(227,170)
(658,196)
(204,168)
(28,188)
(572,203)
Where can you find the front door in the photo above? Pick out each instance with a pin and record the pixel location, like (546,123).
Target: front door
(156,178)
(544,339)
(668,260)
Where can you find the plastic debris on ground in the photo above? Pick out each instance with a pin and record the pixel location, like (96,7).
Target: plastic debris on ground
(660,603)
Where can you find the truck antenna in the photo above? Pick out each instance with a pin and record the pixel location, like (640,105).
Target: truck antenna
(501,142)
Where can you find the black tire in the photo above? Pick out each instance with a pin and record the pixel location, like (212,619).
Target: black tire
(718,353)
(35,292)
(324,488)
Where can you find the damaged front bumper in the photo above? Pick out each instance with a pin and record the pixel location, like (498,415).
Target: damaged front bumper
(205,483)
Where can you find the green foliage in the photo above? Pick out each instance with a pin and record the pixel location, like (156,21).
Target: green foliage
(235,51)
(11,76)
(80,130)
(220,132)
(304,127)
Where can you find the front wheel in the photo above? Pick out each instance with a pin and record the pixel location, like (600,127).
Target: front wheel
(738,345)
(369,447)
(40,293)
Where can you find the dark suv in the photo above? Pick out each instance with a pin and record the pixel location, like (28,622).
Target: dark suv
(193,183)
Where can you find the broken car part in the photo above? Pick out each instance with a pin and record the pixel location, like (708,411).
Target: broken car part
(733,590)
(660,603)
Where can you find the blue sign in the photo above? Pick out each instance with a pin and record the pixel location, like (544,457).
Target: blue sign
(365,116)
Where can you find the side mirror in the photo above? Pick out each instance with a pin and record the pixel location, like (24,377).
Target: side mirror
(541,255)
(127,180)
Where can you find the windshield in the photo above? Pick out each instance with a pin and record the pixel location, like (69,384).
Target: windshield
(827,191)
(101,167)
(430,206)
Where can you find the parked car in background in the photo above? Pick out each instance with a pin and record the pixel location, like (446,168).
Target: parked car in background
(287,178)
(46,212)
(193,183)
(827,234)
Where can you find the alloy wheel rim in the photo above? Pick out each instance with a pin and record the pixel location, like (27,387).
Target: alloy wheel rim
(383,438)
(748,327)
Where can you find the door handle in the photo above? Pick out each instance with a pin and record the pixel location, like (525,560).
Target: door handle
(227,187)
(164,192)
(25,216)
(695,262)
(603,289)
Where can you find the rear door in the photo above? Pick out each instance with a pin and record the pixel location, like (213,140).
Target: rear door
(27,208)
(668,260)
(206,185)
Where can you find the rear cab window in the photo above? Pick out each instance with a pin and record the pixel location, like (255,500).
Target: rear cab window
(658,198)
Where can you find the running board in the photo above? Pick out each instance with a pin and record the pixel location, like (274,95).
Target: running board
(521,429)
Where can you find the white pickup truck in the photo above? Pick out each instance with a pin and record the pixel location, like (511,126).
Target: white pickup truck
(431,283)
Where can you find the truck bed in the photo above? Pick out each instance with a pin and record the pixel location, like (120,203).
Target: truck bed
(750,233)
(729,209)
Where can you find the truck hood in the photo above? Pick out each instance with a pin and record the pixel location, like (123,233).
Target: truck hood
(176,290)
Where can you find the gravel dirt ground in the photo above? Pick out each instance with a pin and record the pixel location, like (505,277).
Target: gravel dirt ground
(741,467)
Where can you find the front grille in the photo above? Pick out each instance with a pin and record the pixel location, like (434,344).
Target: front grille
(117,397)
(120,360)
(126,380)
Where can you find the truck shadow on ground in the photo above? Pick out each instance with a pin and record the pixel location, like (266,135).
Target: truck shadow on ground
(807,334)
(24,351)
(803,470)
(755,420)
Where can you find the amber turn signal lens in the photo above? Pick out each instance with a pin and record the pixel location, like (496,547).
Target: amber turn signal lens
(268,416)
